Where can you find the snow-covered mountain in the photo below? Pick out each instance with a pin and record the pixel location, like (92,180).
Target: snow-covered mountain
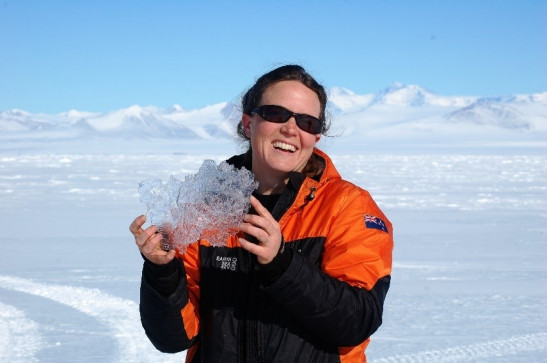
(132,122)
(488,111)
(344,100)
(399,112)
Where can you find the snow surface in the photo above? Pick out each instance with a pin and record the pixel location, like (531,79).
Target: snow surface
(468,202)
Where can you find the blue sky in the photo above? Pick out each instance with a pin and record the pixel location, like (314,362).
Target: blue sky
(105,55)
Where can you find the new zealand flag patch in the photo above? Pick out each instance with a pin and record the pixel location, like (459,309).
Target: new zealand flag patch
(375,222)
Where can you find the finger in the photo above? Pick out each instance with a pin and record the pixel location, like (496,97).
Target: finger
(159,256)
(251,247)
(259,208)
(263,254)
(151,244)
(254,230)
(257,221)
(168,256)
(136,226)
(144,236)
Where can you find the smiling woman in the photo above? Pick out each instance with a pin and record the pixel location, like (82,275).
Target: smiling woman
(306,276)
(279,148)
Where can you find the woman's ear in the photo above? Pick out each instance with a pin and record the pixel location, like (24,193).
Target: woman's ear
(317,138)
(246,123)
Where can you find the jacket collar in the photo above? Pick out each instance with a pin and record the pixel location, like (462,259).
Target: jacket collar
(296,179)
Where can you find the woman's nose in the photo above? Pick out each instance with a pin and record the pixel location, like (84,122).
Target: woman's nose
(290,126)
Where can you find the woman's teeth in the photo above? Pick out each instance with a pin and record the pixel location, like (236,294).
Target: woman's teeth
(283,146)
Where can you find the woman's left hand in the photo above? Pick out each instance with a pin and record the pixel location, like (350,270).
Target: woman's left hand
(265,229)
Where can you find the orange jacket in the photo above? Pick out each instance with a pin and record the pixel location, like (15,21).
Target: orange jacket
(322,307)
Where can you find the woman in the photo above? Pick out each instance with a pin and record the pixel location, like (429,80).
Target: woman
(306,277)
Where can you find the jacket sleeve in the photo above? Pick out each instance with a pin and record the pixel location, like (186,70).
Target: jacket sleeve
(171,322)
(342,303)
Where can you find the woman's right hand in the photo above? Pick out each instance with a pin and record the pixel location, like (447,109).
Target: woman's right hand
(149,242)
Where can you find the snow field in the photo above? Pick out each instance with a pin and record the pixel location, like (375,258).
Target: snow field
(502,348)
(470,245)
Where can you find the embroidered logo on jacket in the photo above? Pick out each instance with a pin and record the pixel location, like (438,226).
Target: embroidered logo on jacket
(226,263)
(375,223)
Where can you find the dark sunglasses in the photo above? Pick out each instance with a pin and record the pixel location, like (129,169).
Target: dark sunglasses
(281,115)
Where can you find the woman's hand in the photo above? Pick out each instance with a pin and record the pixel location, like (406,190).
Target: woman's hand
(149,242)
(265,229)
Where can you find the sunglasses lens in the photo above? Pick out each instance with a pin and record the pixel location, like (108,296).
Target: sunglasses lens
(280,115)
(275,114)
(309,124)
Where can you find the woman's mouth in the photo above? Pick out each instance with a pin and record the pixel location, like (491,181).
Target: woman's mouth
(283,146)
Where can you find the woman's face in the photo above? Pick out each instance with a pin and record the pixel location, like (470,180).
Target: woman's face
(281,148)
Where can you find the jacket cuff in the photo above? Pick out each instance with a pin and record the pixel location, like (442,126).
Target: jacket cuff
(271,272)
(163,278)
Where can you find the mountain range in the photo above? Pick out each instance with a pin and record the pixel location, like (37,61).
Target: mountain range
(402,113)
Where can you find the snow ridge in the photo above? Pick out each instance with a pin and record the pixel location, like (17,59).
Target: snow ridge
(19,336)
(120,315)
